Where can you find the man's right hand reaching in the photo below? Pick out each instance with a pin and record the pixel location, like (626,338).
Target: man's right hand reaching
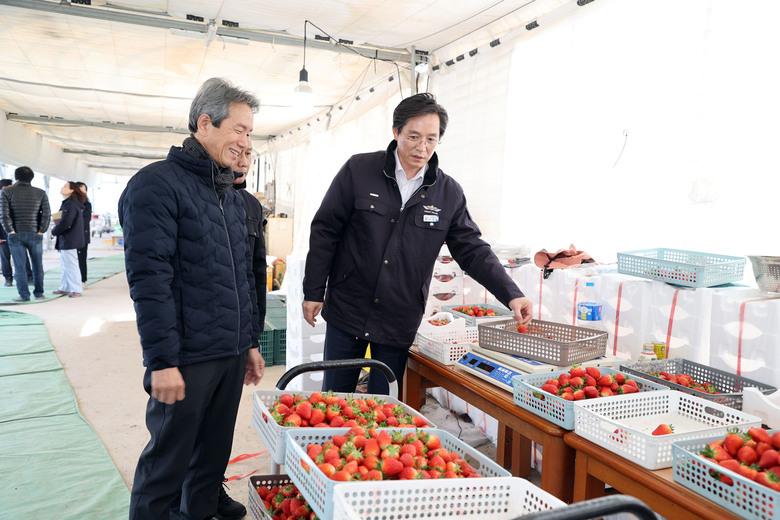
(310,311)
(168,385)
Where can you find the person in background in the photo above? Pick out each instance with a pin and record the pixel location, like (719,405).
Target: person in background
(374,242)
(82,252)
(5,251)
(189,270)
(25,215)
(70,237)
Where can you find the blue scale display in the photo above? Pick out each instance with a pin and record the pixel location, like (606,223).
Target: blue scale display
(489,370)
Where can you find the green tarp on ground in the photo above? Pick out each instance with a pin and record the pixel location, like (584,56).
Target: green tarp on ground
(52,463)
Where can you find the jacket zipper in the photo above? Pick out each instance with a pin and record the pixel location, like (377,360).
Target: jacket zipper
(232,263)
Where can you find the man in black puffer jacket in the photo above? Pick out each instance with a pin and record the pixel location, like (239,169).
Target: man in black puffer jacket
(25,215)
(190,276)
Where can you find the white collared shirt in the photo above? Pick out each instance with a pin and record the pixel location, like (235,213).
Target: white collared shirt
(407,186)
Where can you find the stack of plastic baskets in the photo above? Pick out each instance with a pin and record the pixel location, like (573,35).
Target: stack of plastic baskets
(276,327)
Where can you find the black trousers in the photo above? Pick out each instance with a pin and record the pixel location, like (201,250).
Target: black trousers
(341,345)
(190,442)
(82,254)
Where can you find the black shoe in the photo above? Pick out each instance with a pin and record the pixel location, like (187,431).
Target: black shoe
(41,297)
(227,508)
(20,300)
(9,283)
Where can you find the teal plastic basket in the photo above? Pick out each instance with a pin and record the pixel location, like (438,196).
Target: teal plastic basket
(279,326)
(746,498)
(680,267)
(267,346)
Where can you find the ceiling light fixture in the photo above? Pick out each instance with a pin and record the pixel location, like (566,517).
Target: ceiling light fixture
(303,93)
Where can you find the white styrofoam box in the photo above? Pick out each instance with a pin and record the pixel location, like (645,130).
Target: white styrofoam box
(624,424)
(745,335)
(495,499)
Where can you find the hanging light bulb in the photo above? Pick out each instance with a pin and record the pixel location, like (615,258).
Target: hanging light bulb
(303,94)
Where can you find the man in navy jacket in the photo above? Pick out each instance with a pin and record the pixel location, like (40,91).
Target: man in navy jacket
(190,275)
(374,241)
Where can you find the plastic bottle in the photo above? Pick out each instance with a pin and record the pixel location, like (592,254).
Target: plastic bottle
(589,310)
(648,353)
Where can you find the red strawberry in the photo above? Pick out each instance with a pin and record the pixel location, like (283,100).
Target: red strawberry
(747,455)
(663,429)
(576,381)
(590,392)
(407,459)
(589,381)
(317,417)
(604,380)
(768,459)
(293,420)
(577,371)
(391,466)
(733,442)
(776,440)
(769,479)
(433,442)
(409,473)
(620,378)
(341,476)
(631,382)
(286,399)
(419,422)
(605,392)
(336,422)
(760,435)
(579,394)
(550,389)
(304,410)
(731,464)
(761,447)
(563,379)
(593,372)
(567,396)
(316,397)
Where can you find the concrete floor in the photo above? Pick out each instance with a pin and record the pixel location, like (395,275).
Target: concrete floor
(96,340)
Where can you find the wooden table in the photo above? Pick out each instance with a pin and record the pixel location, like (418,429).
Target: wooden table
(517,426)
(596,466)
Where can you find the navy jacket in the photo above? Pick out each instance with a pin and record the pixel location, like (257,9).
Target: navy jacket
(255,223)
(188,264)
(70,229)
(377,260)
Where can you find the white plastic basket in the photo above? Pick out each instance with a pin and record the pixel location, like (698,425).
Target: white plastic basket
(503,498)
(319,489)
(502,313)
(746,498)
(623,424)
(273,434)
(455,324)
(529,395)
(446,346)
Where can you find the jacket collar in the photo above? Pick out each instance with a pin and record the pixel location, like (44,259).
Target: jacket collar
(430,175)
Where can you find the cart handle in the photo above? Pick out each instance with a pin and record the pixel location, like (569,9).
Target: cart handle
(339,364)
(595,508)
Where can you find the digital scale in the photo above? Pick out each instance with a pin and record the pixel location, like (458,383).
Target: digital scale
(499,368)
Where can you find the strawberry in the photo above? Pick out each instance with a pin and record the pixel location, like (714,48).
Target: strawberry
(293,420)
(327,469)
(419,422)
(593,372)
(567,396)
(341,476)
(316,397)
(577,371)
(579,394)
(768,459)
(604,380)
(407,459)
(576,381)
(768,479)
(409,473)
(590,392)
(631,382)
(749,472)
(317,417)
(286,399)
(550,389)
(336,422)
(747,455)
(731,464)
(760,435)
(304,409)
(733,442)
(620,378)
(761,447)
(391,466)
(433,442)
(589,381)
(606,392)
(563,379)
(776,440)
(663,429)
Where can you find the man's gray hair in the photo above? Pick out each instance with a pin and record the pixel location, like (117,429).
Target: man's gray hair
(214,98)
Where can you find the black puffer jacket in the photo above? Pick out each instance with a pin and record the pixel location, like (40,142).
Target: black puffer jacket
(70,229)
(377,260)
(24,208)
(255,224)
(188,264)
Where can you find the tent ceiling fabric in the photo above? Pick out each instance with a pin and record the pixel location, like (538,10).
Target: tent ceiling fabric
(111,86)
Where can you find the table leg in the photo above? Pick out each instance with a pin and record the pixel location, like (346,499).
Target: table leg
(586,486)
(504,446)
(557,465)
(414,392)
(521,455)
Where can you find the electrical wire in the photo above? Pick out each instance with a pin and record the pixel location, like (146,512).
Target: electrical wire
(457,419)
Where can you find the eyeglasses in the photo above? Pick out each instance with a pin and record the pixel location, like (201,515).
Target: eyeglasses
(427,141)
